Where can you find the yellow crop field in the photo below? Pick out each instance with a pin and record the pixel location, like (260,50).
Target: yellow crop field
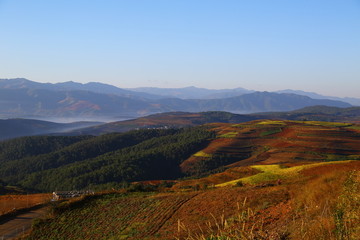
(274,172)
(328,124)
(229,135)
(273,122)
(202,154)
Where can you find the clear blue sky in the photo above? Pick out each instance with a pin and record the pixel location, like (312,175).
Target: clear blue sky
(311,45)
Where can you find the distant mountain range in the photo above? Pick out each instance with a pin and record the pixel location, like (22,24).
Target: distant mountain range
(203,93)
(96,87)
(352,101)
(27,99)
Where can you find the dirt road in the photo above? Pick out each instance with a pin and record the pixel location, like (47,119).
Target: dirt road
(20,224)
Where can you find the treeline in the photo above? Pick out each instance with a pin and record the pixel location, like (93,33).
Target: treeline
(84,162)
(31,146)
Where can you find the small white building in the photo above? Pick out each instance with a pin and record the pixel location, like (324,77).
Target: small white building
(70,194)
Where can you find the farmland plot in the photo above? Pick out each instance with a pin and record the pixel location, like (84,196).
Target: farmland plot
(113,216)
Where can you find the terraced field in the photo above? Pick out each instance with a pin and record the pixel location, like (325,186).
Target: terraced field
(280,142)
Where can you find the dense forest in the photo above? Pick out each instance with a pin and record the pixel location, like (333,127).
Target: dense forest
(48,163)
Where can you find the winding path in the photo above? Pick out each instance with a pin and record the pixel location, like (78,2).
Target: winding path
(19,224)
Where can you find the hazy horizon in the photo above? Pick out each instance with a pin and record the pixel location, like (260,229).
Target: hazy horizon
(312,46)
(230,89)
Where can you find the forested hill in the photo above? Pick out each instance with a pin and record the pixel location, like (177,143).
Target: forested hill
(31,146)
(81,162)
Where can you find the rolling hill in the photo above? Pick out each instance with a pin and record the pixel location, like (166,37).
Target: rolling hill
(141,155)
(104,160)
(183,119)
(12,128)
(165,120)
(275,142)
(316,113)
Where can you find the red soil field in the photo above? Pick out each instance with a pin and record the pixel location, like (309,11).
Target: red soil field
(9,203)
(285,142)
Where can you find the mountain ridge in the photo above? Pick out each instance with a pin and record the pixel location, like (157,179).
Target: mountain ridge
(27,99)
(190,92)
(353,101)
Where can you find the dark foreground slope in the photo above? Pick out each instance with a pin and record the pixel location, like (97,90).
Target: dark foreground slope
(317,202)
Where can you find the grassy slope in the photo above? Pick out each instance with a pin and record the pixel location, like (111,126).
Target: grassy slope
(319,202)
(273,173)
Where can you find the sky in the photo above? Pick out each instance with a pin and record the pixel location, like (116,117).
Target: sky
(310,45)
